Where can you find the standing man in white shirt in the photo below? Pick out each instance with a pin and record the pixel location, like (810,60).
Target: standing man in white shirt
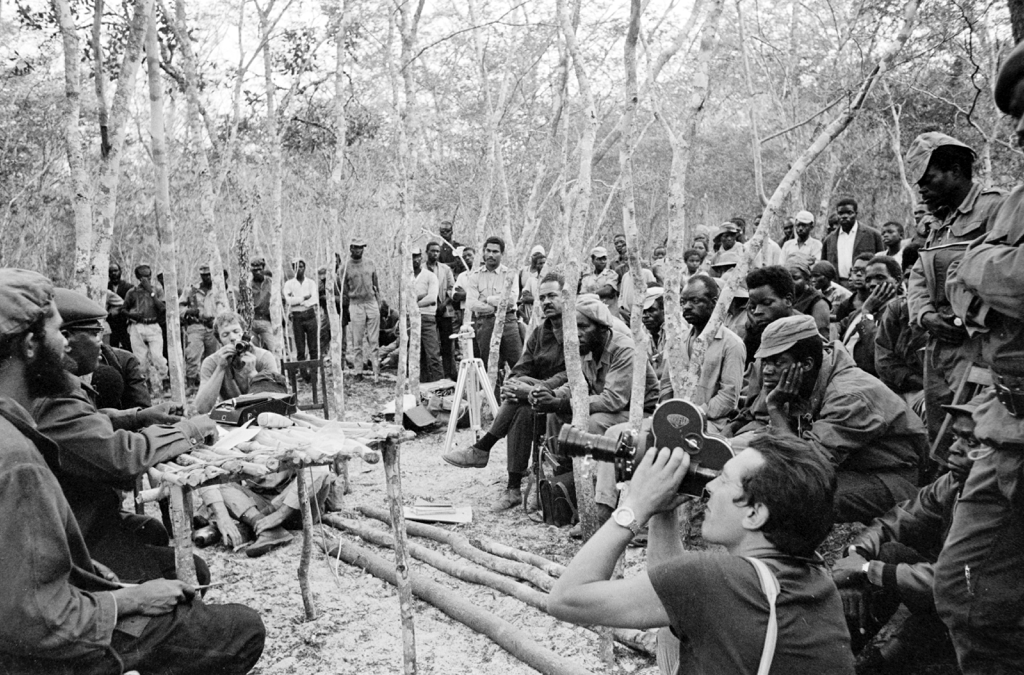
(301,296)
(484,288)
(803,242)
(849,240)
(426,286)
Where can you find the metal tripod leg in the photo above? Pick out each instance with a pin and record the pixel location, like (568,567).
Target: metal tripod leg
(485,385)
(460,388)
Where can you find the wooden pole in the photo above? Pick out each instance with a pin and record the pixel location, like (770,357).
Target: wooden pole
(510,638)
(181,524)
(393,477)
(307,543)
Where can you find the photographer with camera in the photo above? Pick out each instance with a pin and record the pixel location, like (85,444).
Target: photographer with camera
(230,370)
(768,600)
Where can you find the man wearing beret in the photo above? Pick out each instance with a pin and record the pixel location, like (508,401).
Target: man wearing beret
(60,611)
(101,454)
(816,392)
(962,210)
(979,580)
(607,349)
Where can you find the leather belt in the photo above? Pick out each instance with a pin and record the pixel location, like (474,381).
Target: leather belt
(146,321)
(1010,392)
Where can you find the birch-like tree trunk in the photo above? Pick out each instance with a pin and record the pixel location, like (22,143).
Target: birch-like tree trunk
(752,108)
(773,209)
(105,205)
(80,201)
(640,337)
(896,142)
(678,230)
(336,272)
(276,199)
(164,221)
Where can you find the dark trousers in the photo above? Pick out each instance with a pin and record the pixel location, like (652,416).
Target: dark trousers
(325,332)
(862,497)
(119,335)
(511,340)
(430,350)
(979,578)
(445,329)
(515,421)
(304,330)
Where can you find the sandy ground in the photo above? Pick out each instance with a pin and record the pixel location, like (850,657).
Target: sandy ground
(359,628)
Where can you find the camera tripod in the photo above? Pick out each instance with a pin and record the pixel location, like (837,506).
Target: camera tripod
(471,382)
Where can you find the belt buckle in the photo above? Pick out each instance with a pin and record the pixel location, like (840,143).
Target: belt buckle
(1012,398)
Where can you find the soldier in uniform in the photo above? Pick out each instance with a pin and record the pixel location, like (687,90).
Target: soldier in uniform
(198,311)
(940,166)
(979,578)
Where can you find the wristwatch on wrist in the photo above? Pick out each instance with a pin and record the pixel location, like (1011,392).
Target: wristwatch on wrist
(624,517)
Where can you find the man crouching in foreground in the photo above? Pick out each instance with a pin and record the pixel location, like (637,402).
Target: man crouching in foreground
(772,504)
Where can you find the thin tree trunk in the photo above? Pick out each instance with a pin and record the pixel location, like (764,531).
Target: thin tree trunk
(105,205)
(897,151)
(752,108)
(101,78)
(678,230)
(774,208)
(164,221)
(393,477)
(336,272)
(80,202)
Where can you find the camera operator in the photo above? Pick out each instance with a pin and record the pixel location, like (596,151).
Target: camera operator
(771,507)
(230,370)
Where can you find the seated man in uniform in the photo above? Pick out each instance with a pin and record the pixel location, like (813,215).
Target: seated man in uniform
(543,358)
(102,453)
(815,392)
(231,370)
(770,508)
(60,611)
(607,350)
(893,560)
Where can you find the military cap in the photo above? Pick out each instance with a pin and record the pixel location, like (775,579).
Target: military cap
(599,252)
(652,295)
(1010,73)
(537,249)
(77,310)
(416,250)
(258,262)
(921,149)
(359,242)
(804,217)
(591,306)
(965,408)
(204,269)
(727,226)
(802,262)
(781,335)
(25,296)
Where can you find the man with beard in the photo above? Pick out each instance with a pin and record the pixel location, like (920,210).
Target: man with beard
(806,298)
(962,211)
(361,297)
(607,350)
(61,612)
(543,359)
(118,322)
(261,328)
(721,375)
(102,453)
(893,562)
(198,310)
(425,287)
(485,290)
(302,297)
(445,312)
(817,393)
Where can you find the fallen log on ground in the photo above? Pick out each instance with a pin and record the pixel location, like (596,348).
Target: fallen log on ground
(641,641)
(510,638)
(505,551)
(460,544)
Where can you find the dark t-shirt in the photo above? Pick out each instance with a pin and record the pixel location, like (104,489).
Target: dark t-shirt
(717,608)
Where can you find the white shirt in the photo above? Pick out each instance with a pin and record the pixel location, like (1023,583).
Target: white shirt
(844,250)
(301,296)
(626,287)
(426,282)
(811,247)
(770,254)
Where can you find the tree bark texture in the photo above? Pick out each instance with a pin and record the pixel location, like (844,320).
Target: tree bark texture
(510,638)
(165,227)
(393,477)
(336,272)
(308,602)
(105,204)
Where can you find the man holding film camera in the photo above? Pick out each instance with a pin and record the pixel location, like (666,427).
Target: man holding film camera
(231,370)
(770,597)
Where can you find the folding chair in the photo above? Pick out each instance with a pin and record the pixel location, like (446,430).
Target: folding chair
(292,369)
